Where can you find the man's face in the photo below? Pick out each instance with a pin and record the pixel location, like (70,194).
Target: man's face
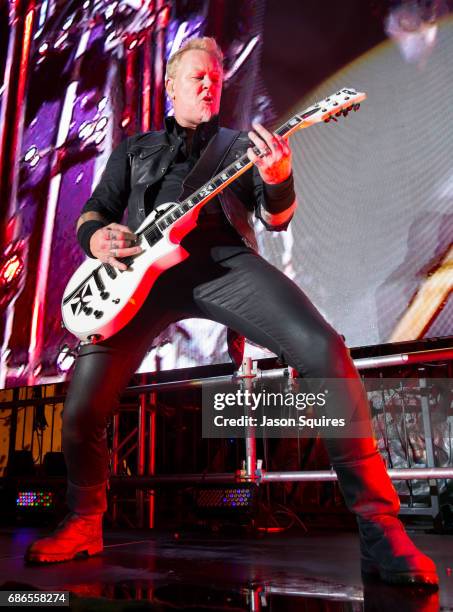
(196,88)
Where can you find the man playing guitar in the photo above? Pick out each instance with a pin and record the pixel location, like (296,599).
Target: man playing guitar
(225,280)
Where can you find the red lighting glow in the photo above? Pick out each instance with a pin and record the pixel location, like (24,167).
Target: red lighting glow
(10,270)
(164,17)
(24,61)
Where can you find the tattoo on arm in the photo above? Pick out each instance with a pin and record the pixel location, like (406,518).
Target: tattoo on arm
(90,216)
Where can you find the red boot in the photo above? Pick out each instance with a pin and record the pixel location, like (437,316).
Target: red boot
(76,534)
(386,549)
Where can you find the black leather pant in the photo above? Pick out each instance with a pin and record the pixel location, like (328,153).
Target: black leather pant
(242,291)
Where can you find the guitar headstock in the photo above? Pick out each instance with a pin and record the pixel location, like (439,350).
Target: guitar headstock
(337,105)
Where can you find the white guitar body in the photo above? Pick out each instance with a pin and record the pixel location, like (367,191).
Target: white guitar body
(99,300)
(101,305)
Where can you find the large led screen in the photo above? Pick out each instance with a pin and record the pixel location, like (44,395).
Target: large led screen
(371,241)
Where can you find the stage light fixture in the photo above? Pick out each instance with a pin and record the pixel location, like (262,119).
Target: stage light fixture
(227,501)
(37,499)
(20,464)
(54,465)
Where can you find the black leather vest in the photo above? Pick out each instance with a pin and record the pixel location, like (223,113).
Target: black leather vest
(151,154)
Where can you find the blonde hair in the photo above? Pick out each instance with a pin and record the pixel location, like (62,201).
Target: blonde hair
(204,43)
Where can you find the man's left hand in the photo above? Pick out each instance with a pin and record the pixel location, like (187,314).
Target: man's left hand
(275,165)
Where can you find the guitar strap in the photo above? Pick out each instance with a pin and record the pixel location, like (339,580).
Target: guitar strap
(207,166)
(210,161)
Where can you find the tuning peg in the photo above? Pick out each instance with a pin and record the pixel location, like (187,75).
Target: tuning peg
(356,107)
(327,119)
(345,112)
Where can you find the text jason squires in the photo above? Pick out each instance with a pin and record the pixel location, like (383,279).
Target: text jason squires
(262,399)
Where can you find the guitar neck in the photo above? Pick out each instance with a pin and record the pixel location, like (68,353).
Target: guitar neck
(242,164)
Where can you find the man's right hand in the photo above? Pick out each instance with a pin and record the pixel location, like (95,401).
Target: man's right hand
(112,242)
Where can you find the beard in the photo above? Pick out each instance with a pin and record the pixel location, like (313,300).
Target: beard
(206,114)
(207,111)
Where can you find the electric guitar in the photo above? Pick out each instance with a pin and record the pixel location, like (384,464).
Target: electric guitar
(99,299)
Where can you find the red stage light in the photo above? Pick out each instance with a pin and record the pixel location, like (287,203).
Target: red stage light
(164,17)
(10,270)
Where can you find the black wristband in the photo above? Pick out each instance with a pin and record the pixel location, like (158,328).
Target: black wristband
(279,196)
(84,233)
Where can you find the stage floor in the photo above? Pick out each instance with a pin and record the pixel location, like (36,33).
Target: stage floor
(279,572)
